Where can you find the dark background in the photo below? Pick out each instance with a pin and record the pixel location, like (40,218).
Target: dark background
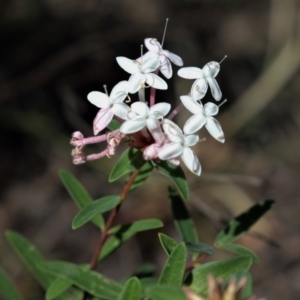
(54,52)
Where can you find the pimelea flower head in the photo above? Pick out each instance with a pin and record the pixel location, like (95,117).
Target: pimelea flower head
(179,146)
(203,116)
(205,77)
(141,73)
(165,57)
(110,105)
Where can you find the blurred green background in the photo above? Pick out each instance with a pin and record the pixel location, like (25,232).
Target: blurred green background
(54,52)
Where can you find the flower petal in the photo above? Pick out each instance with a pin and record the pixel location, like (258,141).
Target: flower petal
(215,129)
(152,44)
(102,119)
(163,108)
(173,131)
(175,59)
(165,67)
(99,99)
(156,131)
(193,106)
(170,151)
(150,64)
(191,140)
(211,109)
(194,123)
(132,126)
(215,89)
(199,89)
(136,82)
(119,92)
(191,161)
(211,69)
(121,110)
(190,73)
(147,55)
(141,109)
(156,82)
(128,65)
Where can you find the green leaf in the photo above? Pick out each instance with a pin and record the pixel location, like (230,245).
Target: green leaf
(174,173)
(132,290)
(144,173)
(161,292)
(7,289)
(87,280)
(182,218)
(125,232)
(240,250)
(130,160)
(96,207)
(167,243)
(200,248)
(79,194)
(173,271)
(57,287)
(197,279)
(113,125)
(242,223)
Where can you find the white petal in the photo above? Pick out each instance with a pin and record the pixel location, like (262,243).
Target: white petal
(119,92)
(147,55)
(173,131)
(156,82)
(156,131)
(215,129)
(191,161)
(194,123)
(132,126)
(151,64)
(128,65)
(199,89)
(191,140)
(193,106)
(190,73)
(102,119)
(140,108)
(165,67)
(121,110)
(170,151)
(211,69)
(211,109)
(152,44)
(163,108)
(135,82)
(215,89)
(99,99)
(175,59)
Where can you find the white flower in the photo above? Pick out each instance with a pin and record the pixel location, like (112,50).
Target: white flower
(140,115)
(205,77)
(165,56)
(141,73)
(110,106)
(203,115)
(179,145)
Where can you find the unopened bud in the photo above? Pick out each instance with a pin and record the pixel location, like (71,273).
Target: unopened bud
(76,139)
(78,156)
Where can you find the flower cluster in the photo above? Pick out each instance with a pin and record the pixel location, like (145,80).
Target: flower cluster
(148,125)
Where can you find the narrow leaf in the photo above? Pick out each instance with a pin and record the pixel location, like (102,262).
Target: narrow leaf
(240,250)
(197,279)
(144,173)
(7,289)
(162,292)
(173,271)
(182,218)
(57,287)
(96,207)
(130,160)
(174,173)
(132,290)
(79,194)
(242,223)
(125,232)
(89,281)
(200,248)
(167,243)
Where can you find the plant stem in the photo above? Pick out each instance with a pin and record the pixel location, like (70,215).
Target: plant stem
(191,264)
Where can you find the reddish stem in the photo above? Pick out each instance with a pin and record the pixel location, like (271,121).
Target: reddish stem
(191,264)
(153,91)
